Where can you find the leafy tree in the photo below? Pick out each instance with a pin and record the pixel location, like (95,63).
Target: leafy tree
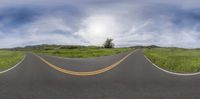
(108,43)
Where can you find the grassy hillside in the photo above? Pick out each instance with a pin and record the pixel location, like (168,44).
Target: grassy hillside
(175,59)
(81,52)
(9,58)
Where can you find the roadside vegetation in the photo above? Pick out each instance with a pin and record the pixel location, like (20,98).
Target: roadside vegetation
(175,59)
(73,51)
(82,52)
(108,43)
(9,59)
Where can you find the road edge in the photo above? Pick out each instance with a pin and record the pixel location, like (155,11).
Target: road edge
(170,72)
(4,71)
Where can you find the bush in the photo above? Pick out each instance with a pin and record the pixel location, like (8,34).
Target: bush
(56,52)
(108,43)
(71,47)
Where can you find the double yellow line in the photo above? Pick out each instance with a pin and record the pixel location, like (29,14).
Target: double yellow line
(76,73)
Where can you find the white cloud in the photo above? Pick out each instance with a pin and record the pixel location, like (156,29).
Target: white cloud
(128,24)
(50,30)
(47,24)
(96,28)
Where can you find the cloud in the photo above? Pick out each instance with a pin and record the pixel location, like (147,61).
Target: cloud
(165,27)
(50,30)
(96,28)
(164,23)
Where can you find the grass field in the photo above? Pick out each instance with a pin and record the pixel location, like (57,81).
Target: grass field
(175,59)
(83,52)
(9,59)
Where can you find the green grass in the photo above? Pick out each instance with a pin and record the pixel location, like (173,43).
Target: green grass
(83,52)
(175,59)
(9,59)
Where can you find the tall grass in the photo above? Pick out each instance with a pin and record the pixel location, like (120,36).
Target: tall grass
(9,58)
(83,52)
(175,59)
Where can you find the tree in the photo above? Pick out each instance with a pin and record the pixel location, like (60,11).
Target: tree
(108,43)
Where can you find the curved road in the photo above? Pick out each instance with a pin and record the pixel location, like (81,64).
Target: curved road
(134,78)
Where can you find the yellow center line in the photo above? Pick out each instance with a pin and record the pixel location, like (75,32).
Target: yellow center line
(76,73)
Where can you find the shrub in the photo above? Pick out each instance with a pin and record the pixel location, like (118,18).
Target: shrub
(108,43)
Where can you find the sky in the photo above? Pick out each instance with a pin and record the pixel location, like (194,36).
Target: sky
(90,22)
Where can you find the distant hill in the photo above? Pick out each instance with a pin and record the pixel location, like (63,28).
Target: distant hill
(53,46)
(49,47)
(150,46)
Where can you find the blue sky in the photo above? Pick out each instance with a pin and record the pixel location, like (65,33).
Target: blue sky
(90,22)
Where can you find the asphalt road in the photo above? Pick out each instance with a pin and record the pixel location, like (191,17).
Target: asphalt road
(134,78)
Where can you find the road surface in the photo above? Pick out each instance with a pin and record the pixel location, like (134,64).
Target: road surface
(133,78)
